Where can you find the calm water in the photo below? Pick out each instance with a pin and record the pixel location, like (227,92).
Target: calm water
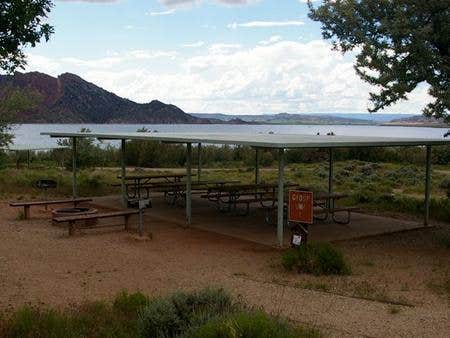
(29,134)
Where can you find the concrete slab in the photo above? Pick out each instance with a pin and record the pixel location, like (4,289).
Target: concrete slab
(253,227)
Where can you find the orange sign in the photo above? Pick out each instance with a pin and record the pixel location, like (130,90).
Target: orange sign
(300,206)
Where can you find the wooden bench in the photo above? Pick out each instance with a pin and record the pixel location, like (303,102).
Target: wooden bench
(71,220)
(26,205)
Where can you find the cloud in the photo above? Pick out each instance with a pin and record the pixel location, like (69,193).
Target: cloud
(183,3)
(223,48)
(271,40)
(168,12)
(265,24)
(194,44)
(286,76)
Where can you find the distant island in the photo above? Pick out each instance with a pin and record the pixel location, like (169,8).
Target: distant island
(70,99)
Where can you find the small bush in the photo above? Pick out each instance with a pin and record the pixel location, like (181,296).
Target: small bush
(316,258)
(253,324)
(170,317)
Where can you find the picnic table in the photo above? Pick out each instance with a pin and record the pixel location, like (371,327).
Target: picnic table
(231,196)
(265,194)
(176,191)
(136,184)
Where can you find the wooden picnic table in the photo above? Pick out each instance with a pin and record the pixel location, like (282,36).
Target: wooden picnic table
(246,194)
(141,182)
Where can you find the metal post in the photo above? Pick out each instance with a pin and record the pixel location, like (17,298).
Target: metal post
(330,177)
(280,202)
(188,183)
(122,174)
(427,187)
(28,159)
(257,177)
(199,164)
(74,168)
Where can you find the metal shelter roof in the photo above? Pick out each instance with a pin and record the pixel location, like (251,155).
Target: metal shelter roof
(25,147)
(262,140)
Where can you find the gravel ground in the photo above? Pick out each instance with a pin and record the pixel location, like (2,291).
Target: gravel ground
(41,265)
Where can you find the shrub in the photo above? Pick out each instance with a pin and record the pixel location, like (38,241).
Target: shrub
(32,322)
(130,304)
(253,324)
(170,317)
(316,258)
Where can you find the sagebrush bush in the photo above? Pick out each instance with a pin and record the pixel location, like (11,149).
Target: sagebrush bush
(316,258)
(250,325)
(171,316)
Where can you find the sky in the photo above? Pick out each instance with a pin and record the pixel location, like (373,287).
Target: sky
(207,56)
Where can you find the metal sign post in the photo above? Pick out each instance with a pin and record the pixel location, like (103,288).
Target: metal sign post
(300,215)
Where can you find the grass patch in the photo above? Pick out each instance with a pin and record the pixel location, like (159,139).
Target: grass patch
(250,324)
(316,258)
(206,313)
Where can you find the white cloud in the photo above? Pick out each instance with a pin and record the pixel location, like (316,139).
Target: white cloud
(271,40)
(265,24)
(162,13)
(194,44)
(223,48)
(180,3)
(286,76)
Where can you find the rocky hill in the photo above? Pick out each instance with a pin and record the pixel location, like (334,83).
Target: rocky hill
(70,99)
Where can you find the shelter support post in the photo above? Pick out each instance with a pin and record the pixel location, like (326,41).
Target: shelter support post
(188,183)
(257,177)
(280,201)
(427,186)
(199,163)
(330,176)
(123,173)
(74,168)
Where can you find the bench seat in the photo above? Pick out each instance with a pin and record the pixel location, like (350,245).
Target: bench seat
(71,220)
(26,205)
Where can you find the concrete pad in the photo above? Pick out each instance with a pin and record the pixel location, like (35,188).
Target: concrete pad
(253,227)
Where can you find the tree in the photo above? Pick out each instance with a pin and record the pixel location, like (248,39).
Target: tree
(21,25)
(13,101)
(400,44)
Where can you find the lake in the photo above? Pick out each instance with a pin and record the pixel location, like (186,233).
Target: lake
(29,134)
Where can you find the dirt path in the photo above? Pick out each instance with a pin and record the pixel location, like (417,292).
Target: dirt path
(39,264)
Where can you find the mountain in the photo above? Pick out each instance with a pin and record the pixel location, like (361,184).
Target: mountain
(418,121)
(70,99)
(285,118)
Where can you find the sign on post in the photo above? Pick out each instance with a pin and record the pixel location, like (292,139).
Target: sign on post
(300,213)
(300,208)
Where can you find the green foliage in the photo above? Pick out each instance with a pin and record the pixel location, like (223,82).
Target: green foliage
(172,316)
(22,24)
(401,45)
(206,313)
(12,101)
(250,325)
(316,258)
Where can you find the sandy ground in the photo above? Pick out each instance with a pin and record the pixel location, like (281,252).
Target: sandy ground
(41,265)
